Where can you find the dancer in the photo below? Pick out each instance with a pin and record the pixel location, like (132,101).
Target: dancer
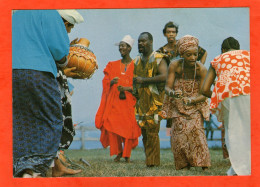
(115,116)
(170,50)
(230,101)
(187,108)
(149,81)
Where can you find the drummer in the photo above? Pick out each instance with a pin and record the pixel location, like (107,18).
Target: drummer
(70,18)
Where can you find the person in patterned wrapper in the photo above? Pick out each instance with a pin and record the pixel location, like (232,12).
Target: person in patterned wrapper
(187,107)
(170,31)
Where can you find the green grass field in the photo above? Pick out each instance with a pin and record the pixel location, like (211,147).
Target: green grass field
(102,165)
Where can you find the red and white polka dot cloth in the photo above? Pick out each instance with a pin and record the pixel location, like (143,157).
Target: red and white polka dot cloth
(233,72)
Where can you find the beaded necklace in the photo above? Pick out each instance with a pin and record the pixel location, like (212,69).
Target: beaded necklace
(125,68)
(183,75)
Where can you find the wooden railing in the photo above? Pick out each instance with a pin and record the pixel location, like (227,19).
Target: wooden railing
(83,138)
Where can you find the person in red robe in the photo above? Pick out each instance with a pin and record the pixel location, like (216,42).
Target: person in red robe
(115,116)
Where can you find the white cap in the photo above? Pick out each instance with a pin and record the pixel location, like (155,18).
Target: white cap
(71,15)
(127,39)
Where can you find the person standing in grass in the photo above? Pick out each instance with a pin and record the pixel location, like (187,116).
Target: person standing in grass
(40,43)
(230,101)
(149,81)
(70,18)
(170,31)
(115,116)
(188,107)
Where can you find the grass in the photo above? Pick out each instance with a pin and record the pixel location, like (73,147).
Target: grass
(102,165)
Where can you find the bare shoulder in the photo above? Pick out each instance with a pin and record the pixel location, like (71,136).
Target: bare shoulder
(175,64)
(201,68)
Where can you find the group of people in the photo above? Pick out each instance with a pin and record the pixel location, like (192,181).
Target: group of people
(172,83)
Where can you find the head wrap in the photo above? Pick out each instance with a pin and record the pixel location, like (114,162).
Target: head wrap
(127,39)
(187,42)
(72,16)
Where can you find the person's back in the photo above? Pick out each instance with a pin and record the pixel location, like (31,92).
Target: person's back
(39,43)
(38,40)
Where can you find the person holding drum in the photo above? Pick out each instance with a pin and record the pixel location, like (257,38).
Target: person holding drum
(61,167)
(115,116)
(39,44)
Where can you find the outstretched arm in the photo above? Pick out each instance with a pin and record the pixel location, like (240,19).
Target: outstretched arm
(170,80)
(203,58)
(161,77)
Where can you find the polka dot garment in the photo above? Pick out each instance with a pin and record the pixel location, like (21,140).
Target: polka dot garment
(233,72)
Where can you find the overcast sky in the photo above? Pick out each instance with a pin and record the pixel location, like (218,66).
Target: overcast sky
(105,27)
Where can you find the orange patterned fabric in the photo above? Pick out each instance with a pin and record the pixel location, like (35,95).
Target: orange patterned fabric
(233,72)
(187,42)
(188,140)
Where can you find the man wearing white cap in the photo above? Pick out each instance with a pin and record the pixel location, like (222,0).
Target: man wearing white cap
(115,116)
(70,18)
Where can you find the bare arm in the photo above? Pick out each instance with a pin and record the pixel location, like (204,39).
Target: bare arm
(210,77)
(62,63)
(200,97)
(203,58)
(170,80)
(161,77)
(124,88)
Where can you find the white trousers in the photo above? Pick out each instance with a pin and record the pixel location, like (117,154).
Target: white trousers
(236,118)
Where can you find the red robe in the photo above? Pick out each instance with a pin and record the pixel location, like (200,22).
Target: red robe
(115,117)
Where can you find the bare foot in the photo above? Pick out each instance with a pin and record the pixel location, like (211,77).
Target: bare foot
(63,159)
(60,170)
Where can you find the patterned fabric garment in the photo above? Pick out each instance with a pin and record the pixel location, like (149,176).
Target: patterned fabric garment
(171,55)
(148,105)
(68,130)
(37,120)
(186,42)
(149,96)
(233,72)
(151,143)
(188,140)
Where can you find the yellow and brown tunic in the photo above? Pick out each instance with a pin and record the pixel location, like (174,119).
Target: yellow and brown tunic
(149,96)
(149,103)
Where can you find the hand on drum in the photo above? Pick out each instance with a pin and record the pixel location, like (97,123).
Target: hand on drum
(75,41)
(69,72)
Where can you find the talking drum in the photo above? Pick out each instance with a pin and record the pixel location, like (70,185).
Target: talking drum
(83,59)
